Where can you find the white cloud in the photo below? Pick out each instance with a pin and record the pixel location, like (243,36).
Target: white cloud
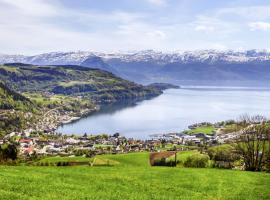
(31,30)
(157,34)
(246,12)
(264,26)
(35,26)
(204,28)
(34,8)
(158,2)
(208,24)
(218,46)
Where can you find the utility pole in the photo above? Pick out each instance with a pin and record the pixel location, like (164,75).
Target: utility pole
(175,158)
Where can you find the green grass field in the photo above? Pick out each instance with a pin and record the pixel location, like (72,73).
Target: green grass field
(203,129)
(72,83)
(66,159)
(131,178)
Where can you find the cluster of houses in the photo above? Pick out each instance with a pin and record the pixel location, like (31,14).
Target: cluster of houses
(55,144)
(183,139)
(197,138)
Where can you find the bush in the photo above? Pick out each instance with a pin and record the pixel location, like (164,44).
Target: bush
(59,164)
(223,156)
(267,162)
(197,160)
(8,152)
(165,162)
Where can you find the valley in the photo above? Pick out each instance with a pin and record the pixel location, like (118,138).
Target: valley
(90,163)
(134,100)
(53,95)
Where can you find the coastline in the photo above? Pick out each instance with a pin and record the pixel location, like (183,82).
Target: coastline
(69,118)
(50,120)
(57,118)
(120,103)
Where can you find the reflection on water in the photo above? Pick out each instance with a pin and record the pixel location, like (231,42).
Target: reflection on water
(113,108)
(173,111)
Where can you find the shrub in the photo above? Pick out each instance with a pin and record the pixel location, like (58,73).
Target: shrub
(59,164)
(165,162)
(160,162)
(223,156)
(267,162)
(197,160)
(8,152)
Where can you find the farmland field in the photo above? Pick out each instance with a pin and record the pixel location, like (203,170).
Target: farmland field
(203,129)
(130,178)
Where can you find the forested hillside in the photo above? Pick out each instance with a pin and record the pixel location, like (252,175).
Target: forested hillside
(13,100)
(56,94)
(98,85)
(16,111)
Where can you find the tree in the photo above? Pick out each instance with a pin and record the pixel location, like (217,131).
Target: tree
(116,135)
(163,143)
(223,155)
(8,151)
(197,160)
(252,144)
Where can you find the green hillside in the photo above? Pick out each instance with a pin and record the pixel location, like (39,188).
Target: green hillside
(132,178)
(13,100)
(68,91)
(16,111)
(98,85)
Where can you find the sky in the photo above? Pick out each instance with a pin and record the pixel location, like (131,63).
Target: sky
(37,26)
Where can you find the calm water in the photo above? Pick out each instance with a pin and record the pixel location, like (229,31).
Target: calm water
(173,111)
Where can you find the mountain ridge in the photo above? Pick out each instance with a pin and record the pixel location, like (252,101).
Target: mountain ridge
(77,57)
(96,84)
(174,67)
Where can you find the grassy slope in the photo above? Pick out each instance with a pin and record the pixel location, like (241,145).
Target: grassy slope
(66,159)
(203,129)
(133,178)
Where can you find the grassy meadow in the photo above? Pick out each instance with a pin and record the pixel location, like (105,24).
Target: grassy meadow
(130,177)
(202,129)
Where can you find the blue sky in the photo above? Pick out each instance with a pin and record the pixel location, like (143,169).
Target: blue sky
(38,26)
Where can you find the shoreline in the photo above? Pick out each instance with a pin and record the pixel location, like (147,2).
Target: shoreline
(68,118)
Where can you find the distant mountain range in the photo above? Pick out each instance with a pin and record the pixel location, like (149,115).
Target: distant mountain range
(206,67)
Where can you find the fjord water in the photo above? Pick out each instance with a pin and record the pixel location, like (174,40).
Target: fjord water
(173,111)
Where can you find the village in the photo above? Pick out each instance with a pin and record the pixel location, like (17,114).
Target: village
(37,143)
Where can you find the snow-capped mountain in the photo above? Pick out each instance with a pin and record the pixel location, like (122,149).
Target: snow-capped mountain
(77,57)
(11,58)
(192,56)
(149,66)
